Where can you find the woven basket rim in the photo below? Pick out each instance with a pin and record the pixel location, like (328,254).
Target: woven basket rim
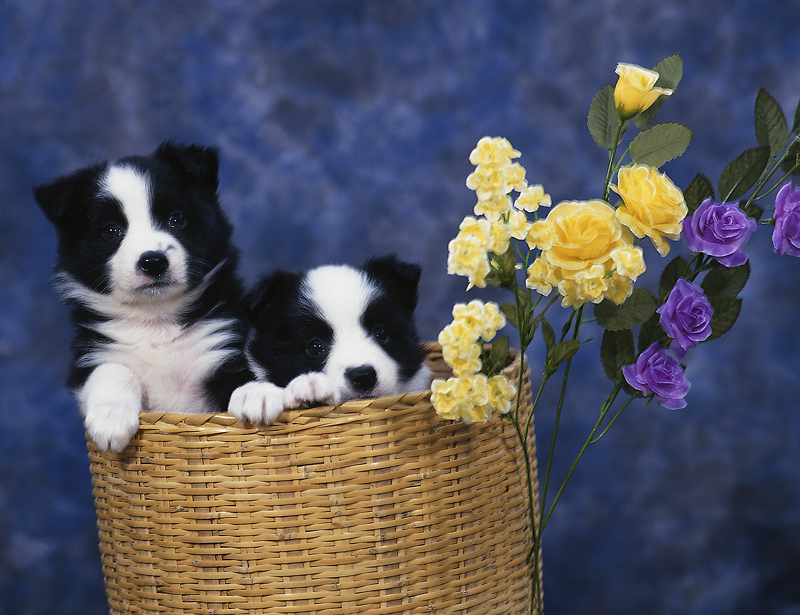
(343,409)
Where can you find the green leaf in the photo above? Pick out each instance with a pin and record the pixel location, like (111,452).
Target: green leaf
(726,311)
(603,120)
(726,281)
(670,72)
(548,335)
(771,128)
(510,310)
(650,332)
(616,350)
(752,210)
(660,144)
(498,356)
(562,352)
(635,310)
(676,269)
(698,191)
(742,173)
(796,123)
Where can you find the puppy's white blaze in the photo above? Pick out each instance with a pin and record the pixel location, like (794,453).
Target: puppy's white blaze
(133,191)
(342,294)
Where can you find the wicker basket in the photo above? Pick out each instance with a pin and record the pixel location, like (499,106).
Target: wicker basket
(373,506)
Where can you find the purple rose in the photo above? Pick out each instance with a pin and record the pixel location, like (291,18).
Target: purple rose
(720,230)
(686,316)
(786,235)
(657,372)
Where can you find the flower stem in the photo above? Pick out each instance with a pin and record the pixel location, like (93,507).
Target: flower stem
(611,156)
(590,440)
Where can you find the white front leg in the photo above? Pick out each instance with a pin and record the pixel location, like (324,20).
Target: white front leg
(111,400)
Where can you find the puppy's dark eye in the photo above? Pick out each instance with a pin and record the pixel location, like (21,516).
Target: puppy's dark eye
(381,335)
(177,221)
(111,232)
(316,348)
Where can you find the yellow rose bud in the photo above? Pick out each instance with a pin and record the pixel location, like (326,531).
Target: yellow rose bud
(654,206)
(634,91)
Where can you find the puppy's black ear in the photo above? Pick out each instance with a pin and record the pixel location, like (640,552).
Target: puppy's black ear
(263,302)
(58,196)
(398,277)
(195,162)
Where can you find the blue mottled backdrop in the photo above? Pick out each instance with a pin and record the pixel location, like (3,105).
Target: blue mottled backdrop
(345,129)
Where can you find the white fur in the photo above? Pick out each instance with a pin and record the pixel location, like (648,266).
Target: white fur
(133,191)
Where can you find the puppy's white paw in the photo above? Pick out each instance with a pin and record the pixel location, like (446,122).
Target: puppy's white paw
(257,402)
(313,387)
(111,400)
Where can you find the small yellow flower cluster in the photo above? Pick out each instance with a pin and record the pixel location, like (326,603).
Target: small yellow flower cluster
(470,395)
(501,218)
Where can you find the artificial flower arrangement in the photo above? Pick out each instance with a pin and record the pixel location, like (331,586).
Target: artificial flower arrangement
(589,252)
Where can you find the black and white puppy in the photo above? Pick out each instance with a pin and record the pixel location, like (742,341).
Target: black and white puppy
(146,263)
(332,334)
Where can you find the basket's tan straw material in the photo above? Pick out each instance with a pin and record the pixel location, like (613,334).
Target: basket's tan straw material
(373,506)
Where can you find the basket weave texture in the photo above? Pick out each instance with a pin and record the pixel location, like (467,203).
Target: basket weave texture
(373,506)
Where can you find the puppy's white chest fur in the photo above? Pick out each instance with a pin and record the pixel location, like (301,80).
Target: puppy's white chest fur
(170,362)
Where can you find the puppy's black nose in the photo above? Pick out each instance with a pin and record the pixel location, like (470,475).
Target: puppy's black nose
(153,264)
(362,378)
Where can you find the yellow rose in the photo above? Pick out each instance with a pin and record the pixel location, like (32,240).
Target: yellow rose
(654,206)
(586,234)
(634,91)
